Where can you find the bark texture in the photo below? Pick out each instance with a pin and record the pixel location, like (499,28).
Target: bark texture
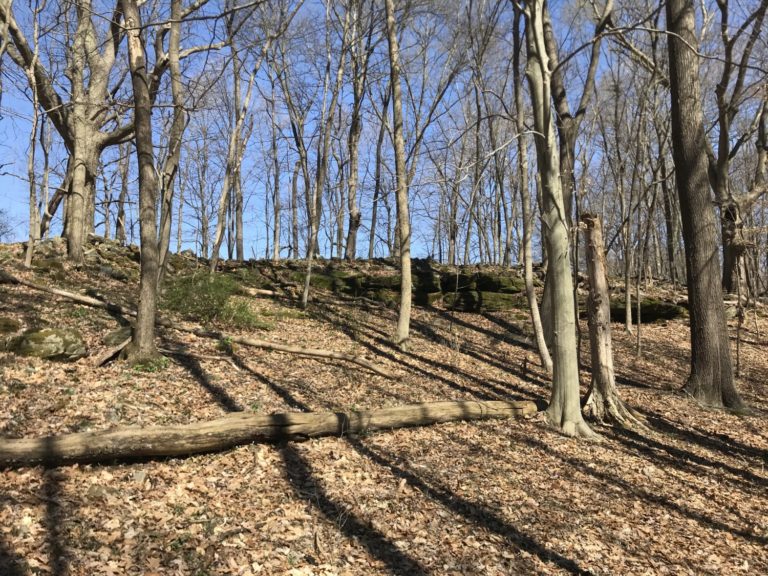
(143,345)
(242,428)
(403,215)
(711,378)
(564,410)
(603,403)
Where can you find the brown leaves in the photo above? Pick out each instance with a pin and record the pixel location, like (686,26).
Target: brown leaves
(481,498)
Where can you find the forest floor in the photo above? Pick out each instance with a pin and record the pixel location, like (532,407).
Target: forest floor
(490,497)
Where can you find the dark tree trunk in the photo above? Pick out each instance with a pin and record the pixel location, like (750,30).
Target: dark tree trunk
(711,378)
(143,343)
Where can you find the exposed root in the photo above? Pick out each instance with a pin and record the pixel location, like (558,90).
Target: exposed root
(573,428)
(612,411)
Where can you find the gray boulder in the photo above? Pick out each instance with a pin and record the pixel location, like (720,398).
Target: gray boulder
(52,343)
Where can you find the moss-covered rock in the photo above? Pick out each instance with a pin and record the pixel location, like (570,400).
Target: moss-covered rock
(506,283)
(51,248)
(388,297)
(458,281)
(481,301)
(117,336)
(51,266)
(381,281)
(9,325)
(651,310)
(427,298)
(53,343)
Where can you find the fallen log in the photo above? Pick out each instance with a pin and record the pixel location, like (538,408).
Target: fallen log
(242,428)
(6,278)
(257,292)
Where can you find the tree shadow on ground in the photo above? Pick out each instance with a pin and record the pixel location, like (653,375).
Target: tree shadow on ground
(684,460)
(714,441)
(512,333)
(54,513)
(631,489)
(474,352)
(476,513)
(10,563)
(219,394)
(28,304)
(378,343)
(302,480)
(281,391)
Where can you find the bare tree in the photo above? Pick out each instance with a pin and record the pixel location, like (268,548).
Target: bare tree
(602,402)
(564,409)
(238,135)
(403,216)
(711,377)
(731,92)
(142,346)
(360,47)
(525,199)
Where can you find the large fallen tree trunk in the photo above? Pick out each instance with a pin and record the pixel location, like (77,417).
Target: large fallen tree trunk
(241,428)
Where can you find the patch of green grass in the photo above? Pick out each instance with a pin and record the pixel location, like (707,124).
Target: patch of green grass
(79,312)
(207,298)
(239,314)
(201,296)
(153,365)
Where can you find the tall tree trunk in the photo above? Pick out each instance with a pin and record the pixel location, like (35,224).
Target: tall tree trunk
(711,378)
(671,218)
(82,187)
(403,216)
(377,171)
(143,343)
(359,60)
(295,252)
(525,201)
(564,409)
(123,165)
(53,204)
(276,207)
(169,171)
(323,147)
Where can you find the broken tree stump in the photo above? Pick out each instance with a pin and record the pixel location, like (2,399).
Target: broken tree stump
(242,428)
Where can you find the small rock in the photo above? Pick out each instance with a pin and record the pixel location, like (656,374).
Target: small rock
(117,336)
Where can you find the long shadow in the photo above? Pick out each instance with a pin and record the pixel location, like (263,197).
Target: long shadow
(10,564)
(284,394)
(711,440)
(54,514)
(479,514)
(683,459)
(641,493)
(500,390)
(26,305)
(512,332)
(219,394)
(382,351)
(624,381)
(302,480)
